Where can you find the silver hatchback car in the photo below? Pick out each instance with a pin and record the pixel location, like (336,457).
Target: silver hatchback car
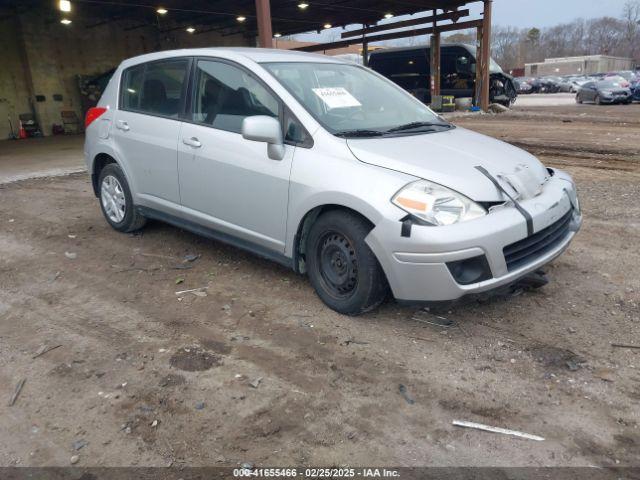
(326,167)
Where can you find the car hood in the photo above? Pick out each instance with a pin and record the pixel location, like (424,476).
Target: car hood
(450,158)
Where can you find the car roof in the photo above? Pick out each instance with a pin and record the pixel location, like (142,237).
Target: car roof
(383,51)
(258,55)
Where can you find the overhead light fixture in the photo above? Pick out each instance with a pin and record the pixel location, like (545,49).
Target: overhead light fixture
(162,11)
(303,5)
(241,18)
(65,21)
(191,29)
(64,5)
(277,35)
(388,15)
(327,25)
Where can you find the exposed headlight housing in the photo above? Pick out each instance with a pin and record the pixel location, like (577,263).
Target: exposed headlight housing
(435,204)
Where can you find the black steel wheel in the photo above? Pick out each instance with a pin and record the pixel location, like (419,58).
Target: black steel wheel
(342,268)
(338,264)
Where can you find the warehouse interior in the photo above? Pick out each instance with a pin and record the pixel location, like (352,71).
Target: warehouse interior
(57,55)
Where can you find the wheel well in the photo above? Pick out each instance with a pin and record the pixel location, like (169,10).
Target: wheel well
(299,245)
(101,161)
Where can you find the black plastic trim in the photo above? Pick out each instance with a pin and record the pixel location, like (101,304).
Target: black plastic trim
(460,269)
(207,232)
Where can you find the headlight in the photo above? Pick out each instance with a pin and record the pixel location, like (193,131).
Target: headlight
(436,204)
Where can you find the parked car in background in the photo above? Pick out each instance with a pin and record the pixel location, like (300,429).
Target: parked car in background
(550,84)
(571,84)
(326,167)
(635,91)
(604,91)
(522,85)
(532,82)
(410,68)
(614,77)
(628,75)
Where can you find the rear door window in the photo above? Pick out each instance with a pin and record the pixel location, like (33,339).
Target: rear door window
(155,88)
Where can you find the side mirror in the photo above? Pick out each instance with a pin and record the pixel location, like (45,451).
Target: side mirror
(262,128)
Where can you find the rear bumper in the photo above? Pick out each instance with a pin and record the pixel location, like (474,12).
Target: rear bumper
(418,268)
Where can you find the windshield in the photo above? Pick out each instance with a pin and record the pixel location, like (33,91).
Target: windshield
(350,100)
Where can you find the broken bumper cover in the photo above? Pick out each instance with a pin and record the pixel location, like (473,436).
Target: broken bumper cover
(446,263)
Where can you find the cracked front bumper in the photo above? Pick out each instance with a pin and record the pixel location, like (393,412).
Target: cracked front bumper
(416,267)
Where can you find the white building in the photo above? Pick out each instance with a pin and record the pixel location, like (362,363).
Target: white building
(578,65)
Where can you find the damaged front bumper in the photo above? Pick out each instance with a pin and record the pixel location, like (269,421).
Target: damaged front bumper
(445,263)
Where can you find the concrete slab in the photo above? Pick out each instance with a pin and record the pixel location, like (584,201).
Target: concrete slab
(40,157)
(545,100)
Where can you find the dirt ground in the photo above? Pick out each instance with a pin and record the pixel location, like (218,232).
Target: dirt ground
(142,376)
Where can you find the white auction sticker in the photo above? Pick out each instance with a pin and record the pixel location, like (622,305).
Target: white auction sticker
(336,97)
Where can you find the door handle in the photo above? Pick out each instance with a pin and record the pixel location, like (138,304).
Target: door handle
(192,142)
(122,125)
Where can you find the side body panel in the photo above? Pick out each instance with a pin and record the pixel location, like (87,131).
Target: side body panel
(230,184)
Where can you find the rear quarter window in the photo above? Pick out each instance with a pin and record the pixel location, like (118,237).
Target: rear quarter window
(155,88)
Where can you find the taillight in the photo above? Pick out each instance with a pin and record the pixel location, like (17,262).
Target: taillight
(93,114)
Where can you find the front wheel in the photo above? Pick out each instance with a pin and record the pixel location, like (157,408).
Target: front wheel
(578,99)
(598,100)
(342,268)
(116,201)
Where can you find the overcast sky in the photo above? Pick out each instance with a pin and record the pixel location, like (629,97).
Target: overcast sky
(524,13)
(544,13)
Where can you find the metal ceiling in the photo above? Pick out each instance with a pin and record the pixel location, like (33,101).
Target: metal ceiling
(221,15)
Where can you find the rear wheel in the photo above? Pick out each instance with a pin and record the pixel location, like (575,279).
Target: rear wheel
(578,99)
(598,100)
(116,201)
(342,268)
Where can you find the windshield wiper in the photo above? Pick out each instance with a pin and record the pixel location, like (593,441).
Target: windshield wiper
(412,125)
(359,133)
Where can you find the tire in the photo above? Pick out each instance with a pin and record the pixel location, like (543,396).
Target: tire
(597,100)
(578,99)
(116,201)
(342,268)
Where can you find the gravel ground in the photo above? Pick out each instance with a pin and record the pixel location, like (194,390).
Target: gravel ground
(259,371)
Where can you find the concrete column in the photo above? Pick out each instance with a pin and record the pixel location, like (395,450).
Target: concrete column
(265,33)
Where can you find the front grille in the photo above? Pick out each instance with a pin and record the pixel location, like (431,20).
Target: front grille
(529,249)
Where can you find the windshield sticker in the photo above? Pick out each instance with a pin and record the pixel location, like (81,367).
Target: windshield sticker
(336,97)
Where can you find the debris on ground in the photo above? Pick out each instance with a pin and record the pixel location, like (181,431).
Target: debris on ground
(255,383)
(497,108)
(624,345)
(79,444)
(74,459)
(504,431)
(572,365)
(239,338)
(434,319)
(200,406)
(605,374)
(16,392)
(349,341)
(44,349)
(191,258)
(405,394)
(179,280)
(70,255)
(195,291)
(154,424)
(54,277)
